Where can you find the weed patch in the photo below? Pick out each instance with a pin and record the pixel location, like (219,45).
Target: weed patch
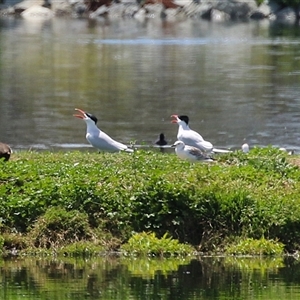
(259,247)
(58,226)
(147,244)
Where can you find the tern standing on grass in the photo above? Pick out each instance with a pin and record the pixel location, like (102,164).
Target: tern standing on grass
(96,137)
(188,136)
(193,138)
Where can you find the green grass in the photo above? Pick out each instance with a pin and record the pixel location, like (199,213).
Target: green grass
(49,200)
(147,244)
(257,247)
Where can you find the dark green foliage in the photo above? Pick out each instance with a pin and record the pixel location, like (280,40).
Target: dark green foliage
(243,195)
(292,3)
(57,226)
(259,2)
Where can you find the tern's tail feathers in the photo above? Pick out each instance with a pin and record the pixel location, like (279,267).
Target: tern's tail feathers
(129,150)
(210,159)
(216,150)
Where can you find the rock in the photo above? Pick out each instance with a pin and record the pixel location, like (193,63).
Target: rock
(266,10)
(61,7)
(287,15)
(219,16)
(100,11)
(140,14)
(204,10)
(237,9)
(22,6)
(263,11)
(37,12)
(5,4)
(183,3)
(169,14)
(214,10)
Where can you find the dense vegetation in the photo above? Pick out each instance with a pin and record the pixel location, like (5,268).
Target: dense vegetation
(58,200)
(292,3)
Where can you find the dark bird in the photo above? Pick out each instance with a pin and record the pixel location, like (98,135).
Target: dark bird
(96,137)
(5,151)
(161,141)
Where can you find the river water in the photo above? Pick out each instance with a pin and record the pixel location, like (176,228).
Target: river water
(236,81)
(173,279)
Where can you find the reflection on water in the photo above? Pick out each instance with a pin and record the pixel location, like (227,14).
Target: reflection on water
(112,278)
(236,81)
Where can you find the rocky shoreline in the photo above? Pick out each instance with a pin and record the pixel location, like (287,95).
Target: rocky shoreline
(215,11)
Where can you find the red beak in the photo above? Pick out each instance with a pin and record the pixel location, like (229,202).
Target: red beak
(174,120)
(80,116)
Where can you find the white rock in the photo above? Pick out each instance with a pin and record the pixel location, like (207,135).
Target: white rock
(263,11)
(100,11)
(37,12)
(219,16)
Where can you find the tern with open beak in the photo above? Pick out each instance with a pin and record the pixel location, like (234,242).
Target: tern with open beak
(96,137)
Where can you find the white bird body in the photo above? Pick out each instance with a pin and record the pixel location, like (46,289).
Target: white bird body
(193,138)
(190,153)
(290,152)
(245,148)
(189,136)
(99,139)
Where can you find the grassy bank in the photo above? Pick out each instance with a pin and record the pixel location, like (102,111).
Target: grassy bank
(91,200)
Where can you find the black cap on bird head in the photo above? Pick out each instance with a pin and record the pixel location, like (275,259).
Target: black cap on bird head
(84,115)
(184,118)
(92,117)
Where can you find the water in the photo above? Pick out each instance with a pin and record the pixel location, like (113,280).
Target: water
(237,81)
(186,279)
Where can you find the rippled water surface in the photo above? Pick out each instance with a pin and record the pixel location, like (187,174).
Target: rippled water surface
(237,81)
(173,279)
